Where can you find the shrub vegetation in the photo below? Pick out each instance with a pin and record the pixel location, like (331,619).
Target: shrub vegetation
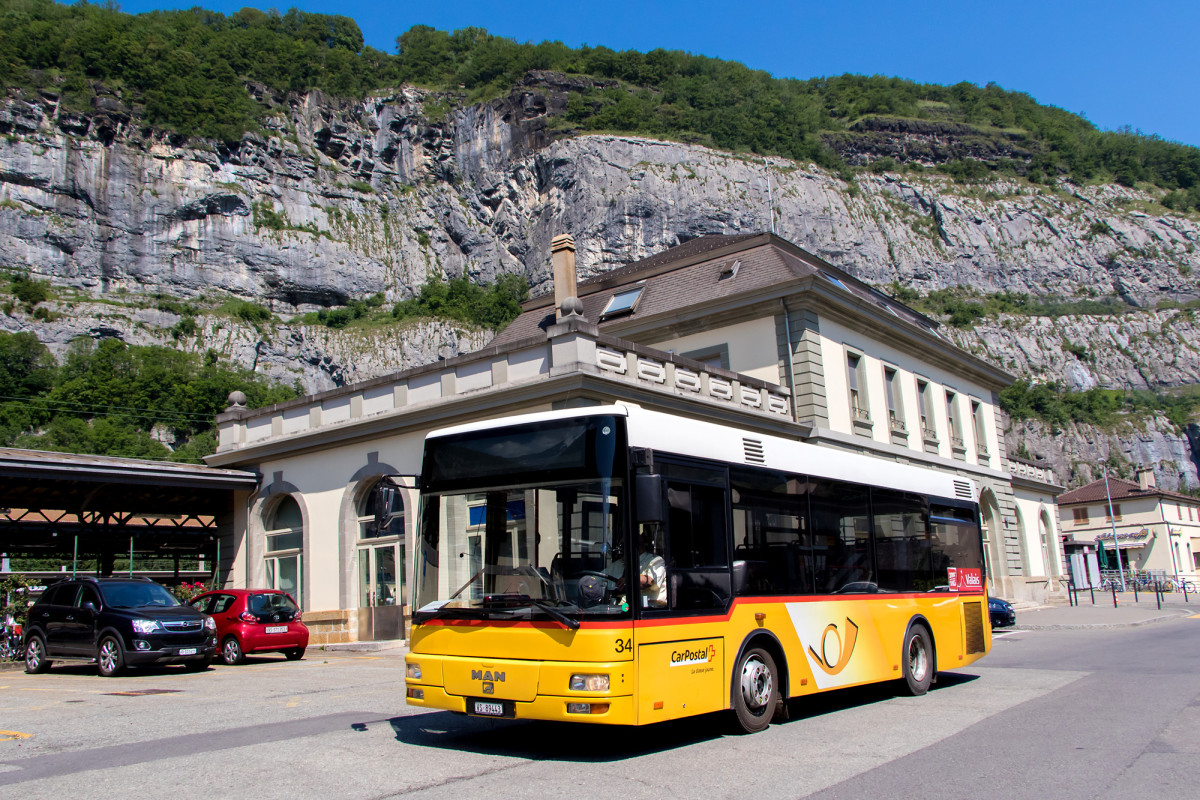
(106,397)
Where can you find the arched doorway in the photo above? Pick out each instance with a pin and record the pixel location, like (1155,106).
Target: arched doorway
(380,558)
(1050,551)
(993,535)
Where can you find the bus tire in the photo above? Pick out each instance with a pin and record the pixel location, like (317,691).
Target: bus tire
(917,658)
(756,690)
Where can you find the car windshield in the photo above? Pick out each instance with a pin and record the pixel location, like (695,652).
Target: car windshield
(136,595)
(270,603)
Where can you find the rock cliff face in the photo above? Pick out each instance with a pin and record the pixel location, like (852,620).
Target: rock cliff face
(341,200)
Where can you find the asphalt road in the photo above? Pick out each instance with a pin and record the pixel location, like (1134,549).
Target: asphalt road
(1110,713)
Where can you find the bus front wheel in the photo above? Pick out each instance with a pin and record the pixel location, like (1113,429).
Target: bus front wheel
(756,690)
(918,660)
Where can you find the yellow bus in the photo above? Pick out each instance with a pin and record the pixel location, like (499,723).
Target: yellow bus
(618,565)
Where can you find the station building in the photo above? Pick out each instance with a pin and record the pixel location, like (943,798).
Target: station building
(1155,531)
(749,330)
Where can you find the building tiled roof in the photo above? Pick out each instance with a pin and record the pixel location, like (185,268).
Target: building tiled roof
(1095,492)
(684,277)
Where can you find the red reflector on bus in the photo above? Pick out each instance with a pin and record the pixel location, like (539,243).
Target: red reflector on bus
(658,705)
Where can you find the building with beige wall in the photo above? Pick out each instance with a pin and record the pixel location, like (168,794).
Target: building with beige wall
(747,330)
(1156,530)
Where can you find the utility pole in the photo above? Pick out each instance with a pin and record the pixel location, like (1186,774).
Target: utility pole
(1112,519)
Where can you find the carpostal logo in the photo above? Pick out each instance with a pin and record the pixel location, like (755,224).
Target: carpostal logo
(687,657)
(836,651)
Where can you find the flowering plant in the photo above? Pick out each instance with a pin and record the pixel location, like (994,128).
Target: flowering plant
(186,592)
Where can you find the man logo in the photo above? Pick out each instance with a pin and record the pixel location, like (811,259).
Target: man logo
(835,654)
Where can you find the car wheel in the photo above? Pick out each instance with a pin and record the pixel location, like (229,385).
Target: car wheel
(231,651)
(295,654)
(917,659)
(35,656)
(755,690)
(110,659)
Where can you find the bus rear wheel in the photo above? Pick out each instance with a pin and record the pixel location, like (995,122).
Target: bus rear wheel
(756,690)
(918,660)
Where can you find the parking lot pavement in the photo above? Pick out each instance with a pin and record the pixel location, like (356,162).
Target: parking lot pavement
(62,710)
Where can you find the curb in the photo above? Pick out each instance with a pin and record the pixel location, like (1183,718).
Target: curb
(11,666)
(364,647)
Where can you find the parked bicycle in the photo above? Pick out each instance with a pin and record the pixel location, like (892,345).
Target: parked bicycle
(1178,585)
(11,647)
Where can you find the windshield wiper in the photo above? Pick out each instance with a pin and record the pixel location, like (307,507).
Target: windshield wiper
(570,622)
(515,601)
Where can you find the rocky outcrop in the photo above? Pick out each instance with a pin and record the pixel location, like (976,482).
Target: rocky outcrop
(313,357)
(337,200)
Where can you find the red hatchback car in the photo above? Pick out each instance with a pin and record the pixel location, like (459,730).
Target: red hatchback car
(254,621)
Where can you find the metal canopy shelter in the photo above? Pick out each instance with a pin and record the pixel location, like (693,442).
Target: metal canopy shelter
(63,505)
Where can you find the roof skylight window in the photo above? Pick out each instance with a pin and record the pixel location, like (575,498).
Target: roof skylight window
(622,302)
(835,281)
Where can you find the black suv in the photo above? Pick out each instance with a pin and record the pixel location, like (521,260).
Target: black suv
(116,622)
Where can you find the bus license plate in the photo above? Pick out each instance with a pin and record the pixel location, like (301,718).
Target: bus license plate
(187,651)
(489,709)
(277,629)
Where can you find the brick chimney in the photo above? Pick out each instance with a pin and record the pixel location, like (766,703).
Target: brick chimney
(1145,478)
(566,301)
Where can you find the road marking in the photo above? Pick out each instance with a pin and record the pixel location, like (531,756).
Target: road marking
(1193,616)
(292,702)
(8,736)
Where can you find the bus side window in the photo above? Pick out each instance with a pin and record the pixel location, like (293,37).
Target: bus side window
(902,543)
(772,553)
(841,529)
(697,550)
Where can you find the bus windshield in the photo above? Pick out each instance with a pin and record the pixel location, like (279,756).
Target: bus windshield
(501,538)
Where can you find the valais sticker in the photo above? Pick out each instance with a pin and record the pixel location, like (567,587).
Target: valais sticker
(966,580)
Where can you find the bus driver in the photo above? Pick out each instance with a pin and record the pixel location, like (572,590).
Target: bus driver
(652,573)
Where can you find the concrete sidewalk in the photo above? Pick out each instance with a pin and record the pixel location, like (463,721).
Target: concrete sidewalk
(1128,613)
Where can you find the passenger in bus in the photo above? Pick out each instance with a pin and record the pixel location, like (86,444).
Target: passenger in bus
(652,572)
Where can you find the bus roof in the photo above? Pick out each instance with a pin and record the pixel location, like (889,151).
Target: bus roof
(668,433)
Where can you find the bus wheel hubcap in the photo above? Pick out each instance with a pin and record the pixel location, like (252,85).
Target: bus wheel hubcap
(918,660)
(756,683)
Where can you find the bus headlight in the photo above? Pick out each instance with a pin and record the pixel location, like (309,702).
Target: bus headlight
(589,683)
(412,671)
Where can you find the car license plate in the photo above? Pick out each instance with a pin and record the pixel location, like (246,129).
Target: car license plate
(187,651)
(277,629)
(489,709)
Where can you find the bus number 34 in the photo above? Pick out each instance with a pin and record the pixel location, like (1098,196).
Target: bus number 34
(624,645)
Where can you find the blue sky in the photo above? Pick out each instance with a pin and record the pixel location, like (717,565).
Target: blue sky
(1117,63)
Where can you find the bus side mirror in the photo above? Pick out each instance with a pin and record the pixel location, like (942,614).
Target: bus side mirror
(648,496)
(385,494)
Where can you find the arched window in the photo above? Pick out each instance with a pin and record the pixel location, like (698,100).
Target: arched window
(284,525)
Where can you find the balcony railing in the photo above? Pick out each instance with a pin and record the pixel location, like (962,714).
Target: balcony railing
(531,362)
